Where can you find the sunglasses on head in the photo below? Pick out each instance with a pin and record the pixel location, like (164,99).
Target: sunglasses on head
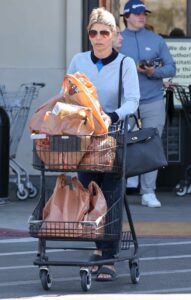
(104,33)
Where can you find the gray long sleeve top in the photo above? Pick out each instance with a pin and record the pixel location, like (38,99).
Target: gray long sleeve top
(107,79)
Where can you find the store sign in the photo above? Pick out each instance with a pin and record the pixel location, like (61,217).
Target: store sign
(181,52)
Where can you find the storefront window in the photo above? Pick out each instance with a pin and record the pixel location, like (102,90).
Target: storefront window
(166,15)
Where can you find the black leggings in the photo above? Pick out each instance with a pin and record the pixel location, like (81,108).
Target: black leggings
(107,182)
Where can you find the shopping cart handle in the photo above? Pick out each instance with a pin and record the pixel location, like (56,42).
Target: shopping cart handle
(41,84)
(38,136)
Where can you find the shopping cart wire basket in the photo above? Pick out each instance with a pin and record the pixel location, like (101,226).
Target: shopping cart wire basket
(183,94)
(83,154)
(17,105)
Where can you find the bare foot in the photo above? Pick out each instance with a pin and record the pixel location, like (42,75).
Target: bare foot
(94,269)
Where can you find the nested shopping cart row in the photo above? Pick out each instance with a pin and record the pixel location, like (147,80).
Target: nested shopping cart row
(17,104)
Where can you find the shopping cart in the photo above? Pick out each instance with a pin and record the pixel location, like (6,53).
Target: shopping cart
(17,105)
(183,94)
(48,231)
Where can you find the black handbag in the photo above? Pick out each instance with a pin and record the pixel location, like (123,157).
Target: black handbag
(144,151)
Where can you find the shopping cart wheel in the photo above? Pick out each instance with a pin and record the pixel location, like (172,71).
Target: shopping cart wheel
(85,279)
(22,195)
(181,189)
(134,271)
(45,279)
(33,192)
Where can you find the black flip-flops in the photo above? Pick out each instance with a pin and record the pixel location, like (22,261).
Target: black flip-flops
(106,271)
(95,257)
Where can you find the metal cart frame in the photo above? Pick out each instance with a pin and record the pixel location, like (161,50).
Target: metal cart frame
(17,105)
(128,239)
(183,94)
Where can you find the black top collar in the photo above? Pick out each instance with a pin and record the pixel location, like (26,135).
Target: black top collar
(106,60)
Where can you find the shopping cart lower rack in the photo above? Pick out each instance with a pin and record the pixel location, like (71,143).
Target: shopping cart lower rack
(65,154)
(17,105)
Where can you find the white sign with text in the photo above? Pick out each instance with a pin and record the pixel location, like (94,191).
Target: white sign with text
(181,52)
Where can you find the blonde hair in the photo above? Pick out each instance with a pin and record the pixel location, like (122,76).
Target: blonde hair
(101,16)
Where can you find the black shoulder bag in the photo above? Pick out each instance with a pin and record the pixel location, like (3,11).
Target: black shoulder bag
(144,146)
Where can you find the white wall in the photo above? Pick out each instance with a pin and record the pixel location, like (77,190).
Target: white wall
(38,39)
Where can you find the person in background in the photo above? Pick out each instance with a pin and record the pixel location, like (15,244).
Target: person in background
(154,63)
(176,33)
(117,41)
(101,66)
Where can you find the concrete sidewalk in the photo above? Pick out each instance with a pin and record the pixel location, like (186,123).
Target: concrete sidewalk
(114,297)
(172,219)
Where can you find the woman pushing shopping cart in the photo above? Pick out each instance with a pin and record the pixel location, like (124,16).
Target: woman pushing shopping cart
(101,66)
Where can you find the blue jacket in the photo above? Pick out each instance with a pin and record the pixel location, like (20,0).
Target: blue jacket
(147,45)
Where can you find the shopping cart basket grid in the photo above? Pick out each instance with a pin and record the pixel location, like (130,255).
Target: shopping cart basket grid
(60,154)
(17,104)
(183,95)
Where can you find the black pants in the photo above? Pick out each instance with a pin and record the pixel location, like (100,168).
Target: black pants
(107,182)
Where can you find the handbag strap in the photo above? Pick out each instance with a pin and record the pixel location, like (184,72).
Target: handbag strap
(120,81)
(138,117)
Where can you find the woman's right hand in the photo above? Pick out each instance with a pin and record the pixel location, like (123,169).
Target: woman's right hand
(107,120)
